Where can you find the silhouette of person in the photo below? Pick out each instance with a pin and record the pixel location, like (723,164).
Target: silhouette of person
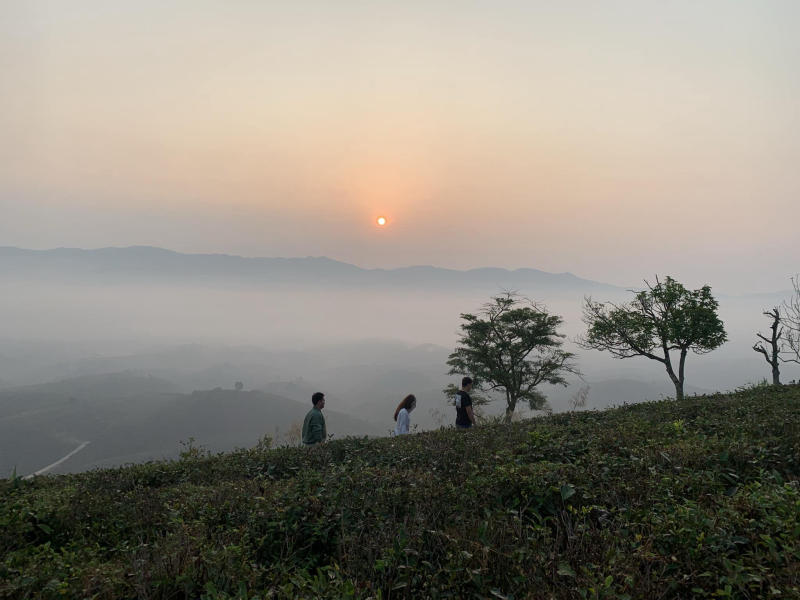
(464,415)
(401,415)
(314,431)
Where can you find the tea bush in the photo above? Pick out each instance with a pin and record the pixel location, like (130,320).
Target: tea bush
(697,498)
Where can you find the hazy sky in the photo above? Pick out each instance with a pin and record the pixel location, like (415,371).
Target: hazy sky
(611,139)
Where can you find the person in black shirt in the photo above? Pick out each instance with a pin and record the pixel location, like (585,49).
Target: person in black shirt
(464,415)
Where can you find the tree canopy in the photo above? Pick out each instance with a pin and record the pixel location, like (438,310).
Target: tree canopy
(662,319)
(512,345)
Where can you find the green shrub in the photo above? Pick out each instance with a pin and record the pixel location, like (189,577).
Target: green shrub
(697,498)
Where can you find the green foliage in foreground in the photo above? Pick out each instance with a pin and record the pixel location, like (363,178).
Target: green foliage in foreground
(697,498)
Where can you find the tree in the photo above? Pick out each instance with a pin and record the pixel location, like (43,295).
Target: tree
(579,398)
(238,386)
(773,355)
(791,321)
(511,346)
(665,317)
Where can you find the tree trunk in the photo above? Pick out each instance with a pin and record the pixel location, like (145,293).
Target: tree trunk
(511,404)
(681,374)
(773,356)
(678,388)
(676,381)
(776,374)
(776,371)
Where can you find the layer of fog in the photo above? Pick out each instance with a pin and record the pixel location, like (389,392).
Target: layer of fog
(365,348)
(51,332)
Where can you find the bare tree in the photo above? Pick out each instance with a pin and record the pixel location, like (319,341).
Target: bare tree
(772,354)
(791,322)
(578,399)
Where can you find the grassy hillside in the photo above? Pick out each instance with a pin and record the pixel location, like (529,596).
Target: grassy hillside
(41,423)
(698,498)
(133,418)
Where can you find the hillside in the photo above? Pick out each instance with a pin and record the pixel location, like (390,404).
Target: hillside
(667,499)
(129,417)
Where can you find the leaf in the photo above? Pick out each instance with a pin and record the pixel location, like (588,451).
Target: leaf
(46,528)
(565,570)
(740,539)
(567,492)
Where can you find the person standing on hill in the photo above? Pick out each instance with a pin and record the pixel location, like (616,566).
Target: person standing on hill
(401,414)
(464,415)
(314,431)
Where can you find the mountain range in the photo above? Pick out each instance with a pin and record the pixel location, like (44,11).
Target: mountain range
(147,264)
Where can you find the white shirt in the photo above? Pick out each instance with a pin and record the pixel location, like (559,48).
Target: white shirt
(403,421)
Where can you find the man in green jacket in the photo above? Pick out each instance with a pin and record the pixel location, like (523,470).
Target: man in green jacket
(314,424)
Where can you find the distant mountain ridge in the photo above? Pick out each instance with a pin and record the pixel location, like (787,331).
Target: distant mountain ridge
(151,264)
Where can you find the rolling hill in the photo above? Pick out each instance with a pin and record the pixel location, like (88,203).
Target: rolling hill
(129,417)
(690,499)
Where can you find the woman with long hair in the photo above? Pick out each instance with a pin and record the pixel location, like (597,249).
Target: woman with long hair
(401,414)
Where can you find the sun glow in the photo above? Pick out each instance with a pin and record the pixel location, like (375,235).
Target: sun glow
(381,221)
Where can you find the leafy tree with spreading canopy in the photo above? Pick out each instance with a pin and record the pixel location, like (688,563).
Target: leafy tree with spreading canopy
(664,318)
(511,346)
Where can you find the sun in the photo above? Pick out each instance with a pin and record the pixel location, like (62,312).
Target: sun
(381,221)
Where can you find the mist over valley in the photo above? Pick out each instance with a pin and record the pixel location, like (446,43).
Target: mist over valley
(136,350)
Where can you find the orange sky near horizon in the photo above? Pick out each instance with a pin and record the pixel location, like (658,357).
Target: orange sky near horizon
(612,141)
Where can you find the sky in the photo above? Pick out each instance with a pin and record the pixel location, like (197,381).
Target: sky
(614,140)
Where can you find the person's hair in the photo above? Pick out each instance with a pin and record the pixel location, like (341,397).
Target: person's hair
(317,397)
(465,381)
(407,403)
